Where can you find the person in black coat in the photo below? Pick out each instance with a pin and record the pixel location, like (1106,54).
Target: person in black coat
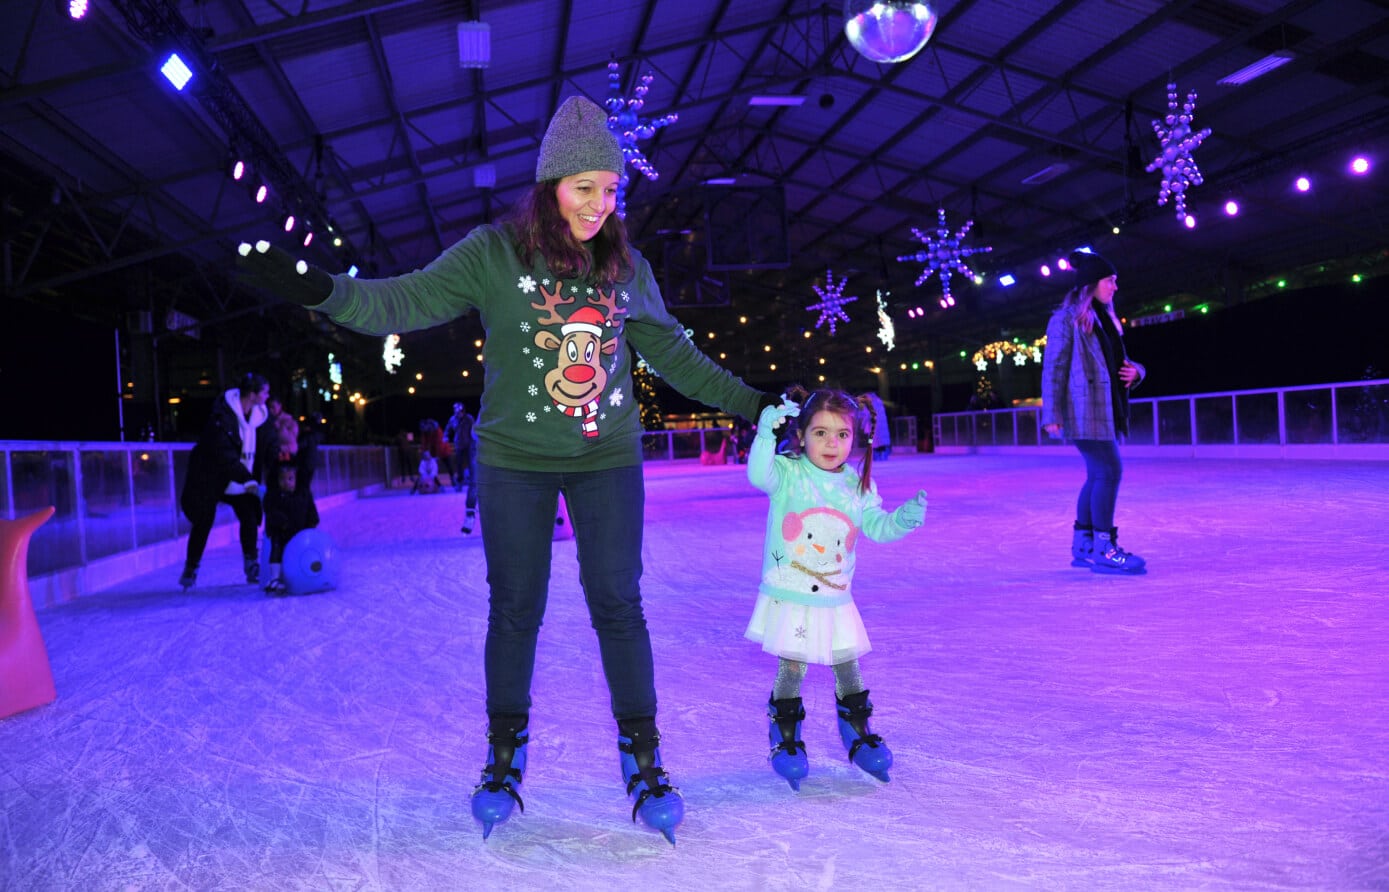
(223,467)
(289,509)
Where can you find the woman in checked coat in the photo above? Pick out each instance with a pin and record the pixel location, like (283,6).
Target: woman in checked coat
(1086,379)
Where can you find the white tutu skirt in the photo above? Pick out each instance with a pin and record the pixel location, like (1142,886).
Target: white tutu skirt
(822,635)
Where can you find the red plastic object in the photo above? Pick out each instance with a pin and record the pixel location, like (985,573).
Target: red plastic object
(26,680)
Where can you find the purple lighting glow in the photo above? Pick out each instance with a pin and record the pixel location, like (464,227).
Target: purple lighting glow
(1232,208)
(1303,184)
(1360,165)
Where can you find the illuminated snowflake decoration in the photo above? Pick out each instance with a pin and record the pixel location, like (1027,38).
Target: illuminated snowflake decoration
(625,121)
(391,354)
(887,332)
(944,254)
(1178,141)
(832,301)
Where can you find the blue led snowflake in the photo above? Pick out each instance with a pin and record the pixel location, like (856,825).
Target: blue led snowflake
(626,123)
(944,254)
(832,301)
(1179,170)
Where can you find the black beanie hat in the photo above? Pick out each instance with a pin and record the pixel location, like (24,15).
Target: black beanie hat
(1090,267)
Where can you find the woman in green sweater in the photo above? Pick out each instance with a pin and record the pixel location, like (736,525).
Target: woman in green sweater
(565,300)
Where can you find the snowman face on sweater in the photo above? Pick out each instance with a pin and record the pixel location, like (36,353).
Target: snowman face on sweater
(820,540)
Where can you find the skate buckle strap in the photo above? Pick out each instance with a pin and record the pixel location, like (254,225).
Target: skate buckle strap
(493,786)
(872,741)
(654,777)
(789,747)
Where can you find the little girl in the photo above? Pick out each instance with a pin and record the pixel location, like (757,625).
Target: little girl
(805,609)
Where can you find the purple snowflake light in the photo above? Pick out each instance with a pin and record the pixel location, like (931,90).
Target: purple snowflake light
(944,254)
(1178,141)
(625,122)
(832,301)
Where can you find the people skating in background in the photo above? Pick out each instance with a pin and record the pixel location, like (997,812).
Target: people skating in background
(223,467)
(882,442)
(805,611)
(742,438)
(458,433)
(289,509)
(306,460)
(1086,379)
(564,298)
(427,476)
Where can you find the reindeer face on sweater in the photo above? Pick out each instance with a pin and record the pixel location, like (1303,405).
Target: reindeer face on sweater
(586,336)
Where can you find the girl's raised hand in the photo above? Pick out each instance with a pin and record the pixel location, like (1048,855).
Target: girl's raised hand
(913,514)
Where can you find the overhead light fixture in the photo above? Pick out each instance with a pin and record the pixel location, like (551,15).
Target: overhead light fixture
(485,176)
(1257,69)
(788,101)
(177,71)
(721,181)
(1050,172)
(474,44)
(1007,280)
(1360,165)
(76,9)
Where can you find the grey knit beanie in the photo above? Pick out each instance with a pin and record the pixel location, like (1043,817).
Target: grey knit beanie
(1090,267)
(578,139)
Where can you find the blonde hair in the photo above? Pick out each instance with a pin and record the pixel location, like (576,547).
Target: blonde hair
(857,410)
(1080,300)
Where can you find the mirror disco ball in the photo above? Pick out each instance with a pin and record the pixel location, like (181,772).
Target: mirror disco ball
(888,30)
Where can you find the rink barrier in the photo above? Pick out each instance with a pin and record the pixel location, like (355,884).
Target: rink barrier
(1316,421)
(116,506)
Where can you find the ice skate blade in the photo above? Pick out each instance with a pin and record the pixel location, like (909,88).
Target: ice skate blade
(1119,571)
(1077,562)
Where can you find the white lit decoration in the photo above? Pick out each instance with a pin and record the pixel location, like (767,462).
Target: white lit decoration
(1178,141)
(1021,353)
(626,123)
(888,30)
(334,369)
(832,301)
(887,332)
(392,354)
(944,254)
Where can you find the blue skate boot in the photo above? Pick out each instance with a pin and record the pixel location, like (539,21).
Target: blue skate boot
(658,803)
(1110,558)
(788,751)
(495,795)
(1082,546)
(866,749)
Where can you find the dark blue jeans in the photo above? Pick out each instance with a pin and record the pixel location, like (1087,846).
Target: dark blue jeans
(1103,470)
(517,510)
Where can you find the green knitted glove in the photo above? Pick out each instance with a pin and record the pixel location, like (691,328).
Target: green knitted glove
(773,415)
(913,514)
(265,266)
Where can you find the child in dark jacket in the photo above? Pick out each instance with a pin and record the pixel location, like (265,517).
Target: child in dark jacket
(288,510)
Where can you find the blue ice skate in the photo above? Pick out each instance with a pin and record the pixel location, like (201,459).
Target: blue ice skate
(659,804)
(788,750)
(866,749)
(498,791)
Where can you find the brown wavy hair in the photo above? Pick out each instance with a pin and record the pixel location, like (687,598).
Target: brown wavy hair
(538,228)
(857,410)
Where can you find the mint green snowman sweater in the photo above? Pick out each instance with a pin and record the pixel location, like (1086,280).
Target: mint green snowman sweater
(557,388)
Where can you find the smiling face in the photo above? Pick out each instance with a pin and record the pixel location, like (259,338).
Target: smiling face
(585,200)
(828,440)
